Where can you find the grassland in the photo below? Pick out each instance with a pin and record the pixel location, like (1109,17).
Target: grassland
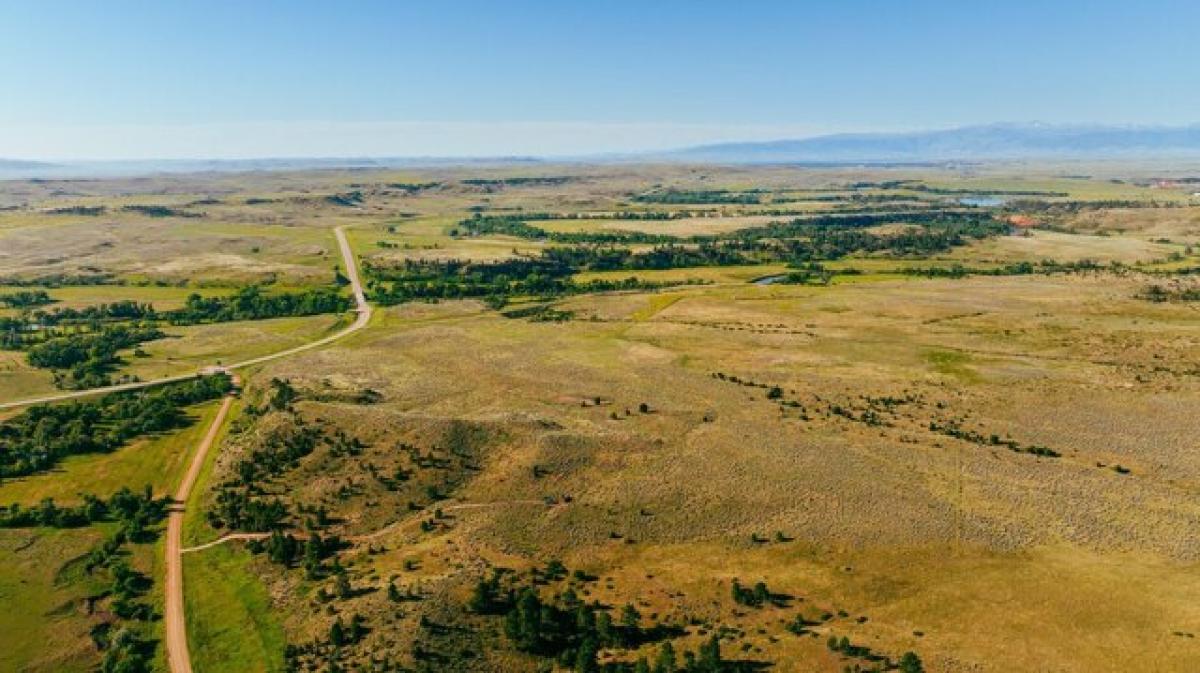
(43,631)
(866,448)
(230,613)
(158,462)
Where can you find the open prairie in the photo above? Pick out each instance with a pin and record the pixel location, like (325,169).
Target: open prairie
(829,416)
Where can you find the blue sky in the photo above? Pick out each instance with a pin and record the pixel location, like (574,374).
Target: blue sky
(234,79)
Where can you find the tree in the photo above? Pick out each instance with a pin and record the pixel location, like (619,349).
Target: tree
(630,617)
(604,629)
(761,593)
(337,633)
(483,598)
(641,666)
(710,656)
(666,659)
(342,585)
(630,625)
(585,658)
(393,593)
(911,663)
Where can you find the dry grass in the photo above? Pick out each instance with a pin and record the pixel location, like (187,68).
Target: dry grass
(971,545)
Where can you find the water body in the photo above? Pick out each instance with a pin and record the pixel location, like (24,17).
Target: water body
(983,201)
(770,280)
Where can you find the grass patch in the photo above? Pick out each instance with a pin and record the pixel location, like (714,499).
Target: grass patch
(229,611)
(159,461)
(951,363)
(43,627)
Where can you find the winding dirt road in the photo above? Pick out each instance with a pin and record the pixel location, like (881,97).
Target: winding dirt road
(367,537)
(175,619)
(361,307)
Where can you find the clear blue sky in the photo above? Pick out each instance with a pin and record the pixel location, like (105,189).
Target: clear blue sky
(189,78)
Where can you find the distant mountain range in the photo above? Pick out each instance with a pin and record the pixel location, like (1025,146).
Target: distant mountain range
(969,143)
(990,142)
(18,165)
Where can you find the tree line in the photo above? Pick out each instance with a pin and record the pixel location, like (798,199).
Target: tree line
(39,437)
(81,344)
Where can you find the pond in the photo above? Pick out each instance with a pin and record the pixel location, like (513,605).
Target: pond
(983,201)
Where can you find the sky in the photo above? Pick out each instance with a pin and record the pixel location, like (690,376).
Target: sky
(217,79)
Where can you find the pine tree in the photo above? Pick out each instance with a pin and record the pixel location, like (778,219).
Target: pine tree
(911,663)
(666,659)
(604,629)
(630,618)
(337,634)
(342,584)
(585,659)
(761,594)
(710,656)
(483,598)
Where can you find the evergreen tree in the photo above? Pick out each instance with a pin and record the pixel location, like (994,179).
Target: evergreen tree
(605,633)
(342,585)
(710,656)
(666,659)
(585,658)
(337,633)
(911,663)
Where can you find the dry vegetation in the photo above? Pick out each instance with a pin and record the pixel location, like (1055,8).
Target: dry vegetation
(995,472)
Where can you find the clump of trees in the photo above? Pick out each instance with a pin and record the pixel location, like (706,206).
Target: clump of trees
(951,429)
(36,439)
(1160,294)
(135,512)
(86,360)
(25,298)
(697,196)
(158,211)
(252,303)
(545,277)
(755,597)
(81,344)
(560,627)
(567,628)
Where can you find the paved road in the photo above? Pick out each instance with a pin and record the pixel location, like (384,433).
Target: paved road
(361,307)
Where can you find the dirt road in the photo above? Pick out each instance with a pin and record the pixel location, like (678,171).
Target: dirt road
(361,307)
(175,619)
(178,657)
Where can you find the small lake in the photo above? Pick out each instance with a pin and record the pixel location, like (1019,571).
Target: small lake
(983,201)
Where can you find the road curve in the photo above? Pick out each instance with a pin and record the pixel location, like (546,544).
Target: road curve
(175,620)
(361,307)
(175,617)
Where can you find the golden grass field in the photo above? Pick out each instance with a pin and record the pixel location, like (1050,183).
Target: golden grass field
(975,557)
